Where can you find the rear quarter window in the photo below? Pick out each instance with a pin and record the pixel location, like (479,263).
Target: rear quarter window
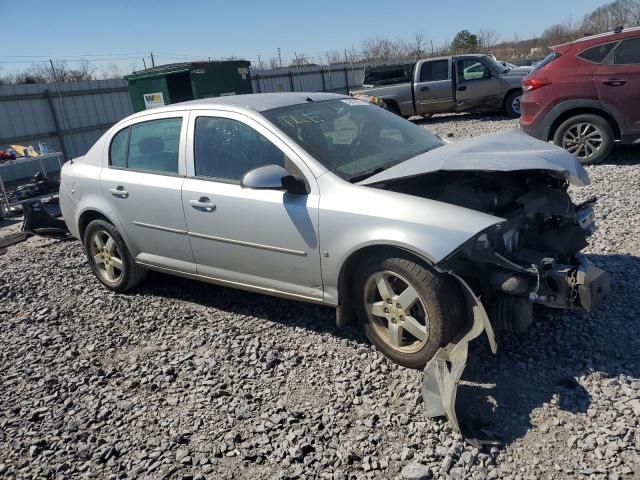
(598,53)
(118,149)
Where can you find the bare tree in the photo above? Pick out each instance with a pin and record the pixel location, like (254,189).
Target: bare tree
(351,55)
(333,56)
(487,38)
(111,71)
(633,12)
(414,48)
(300,60)
(624,13)
(378,49)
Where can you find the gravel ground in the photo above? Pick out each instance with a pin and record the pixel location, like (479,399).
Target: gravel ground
(186,380)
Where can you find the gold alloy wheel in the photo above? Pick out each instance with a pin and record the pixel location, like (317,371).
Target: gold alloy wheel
(396,311)
(106,256)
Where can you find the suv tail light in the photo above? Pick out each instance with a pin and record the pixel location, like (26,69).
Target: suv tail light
(533,83)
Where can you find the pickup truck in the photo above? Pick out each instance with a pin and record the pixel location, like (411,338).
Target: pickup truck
(457,83)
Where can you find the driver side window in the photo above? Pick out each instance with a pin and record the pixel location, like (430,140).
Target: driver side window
(471,69)
(226,149)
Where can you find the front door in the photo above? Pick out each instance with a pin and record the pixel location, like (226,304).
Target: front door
(434,89)
(142,184)
(477,87)
(618,86)
(265,239)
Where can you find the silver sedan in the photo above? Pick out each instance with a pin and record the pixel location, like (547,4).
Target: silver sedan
(328,199)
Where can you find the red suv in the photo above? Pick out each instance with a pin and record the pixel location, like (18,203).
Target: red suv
(585,95)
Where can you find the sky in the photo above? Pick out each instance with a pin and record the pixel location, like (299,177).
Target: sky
(124,31)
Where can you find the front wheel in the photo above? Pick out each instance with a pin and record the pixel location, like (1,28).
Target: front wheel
(109,257)
(588,137)
(408,311)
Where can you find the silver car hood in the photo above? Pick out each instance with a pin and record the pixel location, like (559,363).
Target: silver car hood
(508,151)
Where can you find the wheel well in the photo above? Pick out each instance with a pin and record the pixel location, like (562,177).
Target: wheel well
(506,97)
(356,258)
(392,103)
(86,218)
(581,111)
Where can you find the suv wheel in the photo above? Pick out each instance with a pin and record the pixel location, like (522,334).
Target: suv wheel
(588,137)
(109,257)
(512,104)
(407,310)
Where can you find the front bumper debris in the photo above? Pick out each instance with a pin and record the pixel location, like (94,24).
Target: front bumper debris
(443,371)
(593,286)
(38,221)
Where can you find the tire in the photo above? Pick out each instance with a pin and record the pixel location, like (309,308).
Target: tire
(592,130)
(436,296)
(124,273)
(512,104)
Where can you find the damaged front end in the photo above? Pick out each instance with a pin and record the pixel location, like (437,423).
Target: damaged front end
(531,257)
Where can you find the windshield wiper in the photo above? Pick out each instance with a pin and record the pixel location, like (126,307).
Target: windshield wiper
(362,176)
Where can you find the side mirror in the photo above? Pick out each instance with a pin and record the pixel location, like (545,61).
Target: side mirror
(273,177)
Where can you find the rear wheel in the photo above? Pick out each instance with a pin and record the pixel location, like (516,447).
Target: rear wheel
(407,310)
(512,104)
(587,137)
(109,257)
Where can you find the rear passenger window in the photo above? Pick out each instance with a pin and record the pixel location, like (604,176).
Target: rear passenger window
(628,52)
(227,149)
(151,146)
(598,53)
(434,71)
(154,145)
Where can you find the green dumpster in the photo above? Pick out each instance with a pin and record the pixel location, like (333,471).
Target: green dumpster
(179,82)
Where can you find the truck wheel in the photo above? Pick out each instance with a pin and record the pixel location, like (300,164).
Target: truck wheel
(408,311)
(588,137)
(512,104)
(109,257)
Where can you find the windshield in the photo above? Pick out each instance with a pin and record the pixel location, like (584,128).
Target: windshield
(495,65)
(352,138)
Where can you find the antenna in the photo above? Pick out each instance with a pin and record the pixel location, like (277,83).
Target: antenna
(618,29)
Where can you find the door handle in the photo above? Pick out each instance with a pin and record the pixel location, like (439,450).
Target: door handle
(203,204)
(462,88)
(424,89)
(119,192)
(614,82)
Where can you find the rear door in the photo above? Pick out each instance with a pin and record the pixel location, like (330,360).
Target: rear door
(617,82)
(434,87)
(476,85)
(142,183)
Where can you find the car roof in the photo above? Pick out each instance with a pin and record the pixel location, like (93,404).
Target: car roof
(606,36)
(253,101)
